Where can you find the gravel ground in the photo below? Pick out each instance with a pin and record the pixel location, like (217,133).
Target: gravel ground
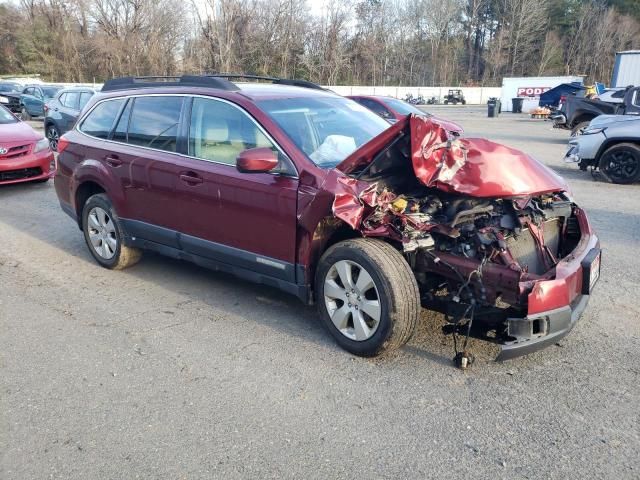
(170,371)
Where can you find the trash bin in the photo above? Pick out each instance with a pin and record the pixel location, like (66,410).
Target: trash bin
(516,103)
(493,107)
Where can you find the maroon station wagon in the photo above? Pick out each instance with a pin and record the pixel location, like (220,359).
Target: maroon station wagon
(289,185)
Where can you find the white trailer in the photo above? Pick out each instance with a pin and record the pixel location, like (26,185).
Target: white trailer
(529,88)
(626,70)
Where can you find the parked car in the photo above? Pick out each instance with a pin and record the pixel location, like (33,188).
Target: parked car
(393,110)
(24,154)
(62,111)
(34,98)
(454,97)
(306,191)
(611,144)
(576,113)
(10,95)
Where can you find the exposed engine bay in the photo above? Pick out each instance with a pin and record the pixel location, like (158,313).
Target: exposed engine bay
(473,254)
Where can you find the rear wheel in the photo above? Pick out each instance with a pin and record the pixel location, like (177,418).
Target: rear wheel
(104,234)
(367,296)
(53,136)
(579,128)
(621,163)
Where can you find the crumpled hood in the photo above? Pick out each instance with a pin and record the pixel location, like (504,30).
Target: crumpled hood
(471,166)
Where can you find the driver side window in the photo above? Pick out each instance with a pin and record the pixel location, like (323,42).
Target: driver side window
(219,131)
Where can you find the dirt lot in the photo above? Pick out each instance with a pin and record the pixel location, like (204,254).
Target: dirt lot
(167,370)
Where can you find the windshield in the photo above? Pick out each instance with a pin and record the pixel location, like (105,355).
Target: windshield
(403,108)
(6,117)
(50,92)
(9,87)
(327,129)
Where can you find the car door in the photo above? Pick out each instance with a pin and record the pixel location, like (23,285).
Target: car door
(68,110)
(243,219)
(28,100)
(632,106)
(142,153)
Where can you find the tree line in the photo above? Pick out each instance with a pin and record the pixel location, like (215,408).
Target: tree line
(361,42)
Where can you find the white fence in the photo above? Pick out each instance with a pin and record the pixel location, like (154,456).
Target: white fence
(473,95)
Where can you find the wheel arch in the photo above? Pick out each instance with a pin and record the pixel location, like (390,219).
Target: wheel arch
(612,142)
(84,191)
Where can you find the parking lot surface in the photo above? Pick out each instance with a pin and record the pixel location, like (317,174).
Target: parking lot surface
(167,370)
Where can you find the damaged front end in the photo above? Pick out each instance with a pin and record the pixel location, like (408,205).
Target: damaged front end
(493,237)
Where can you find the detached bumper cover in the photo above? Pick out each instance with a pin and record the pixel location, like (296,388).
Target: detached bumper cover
(551,327)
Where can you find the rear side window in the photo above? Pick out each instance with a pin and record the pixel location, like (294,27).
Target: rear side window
(71,100)
(154,122)
(101,119)
(84,98)
(375,107)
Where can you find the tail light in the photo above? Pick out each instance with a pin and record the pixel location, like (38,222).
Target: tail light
(63,143)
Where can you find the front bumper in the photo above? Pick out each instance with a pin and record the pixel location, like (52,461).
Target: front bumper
(554,306)
(551,327)
(584,148)
(27,168)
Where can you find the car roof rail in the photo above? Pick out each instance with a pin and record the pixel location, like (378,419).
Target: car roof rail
(274,80)
(132,83)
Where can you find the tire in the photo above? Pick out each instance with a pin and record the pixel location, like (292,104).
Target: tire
(464,102)
(24,115)
(53,135)
(392,286)
(578,129)
(621,163)
(100,221)
(446,102)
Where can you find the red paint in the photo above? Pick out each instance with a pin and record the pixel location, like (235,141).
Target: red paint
(450,126)
(471,166)
(20,139)
(290,218)
(257,160)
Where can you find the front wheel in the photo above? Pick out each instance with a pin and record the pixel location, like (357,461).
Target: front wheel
(621,163)
(104,234)
(53,136)
(367,296)
(24,115)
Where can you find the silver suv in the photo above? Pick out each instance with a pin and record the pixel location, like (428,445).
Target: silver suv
(611,143)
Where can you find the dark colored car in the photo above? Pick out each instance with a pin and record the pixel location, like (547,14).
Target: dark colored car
(24,154)
(10,96)
(306,191)
(454,97)
(393,110)
(62,111)
(577,111)
(34,98)
(553,97)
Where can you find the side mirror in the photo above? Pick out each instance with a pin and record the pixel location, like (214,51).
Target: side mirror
(256,160)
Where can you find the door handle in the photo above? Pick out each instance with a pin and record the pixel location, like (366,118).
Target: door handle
(113,160)
(191,178)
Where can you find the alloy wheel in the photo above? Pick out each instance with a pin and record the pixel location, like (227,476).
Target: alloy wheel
(53,136)
(622,165)
(352,300)
(102,233)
